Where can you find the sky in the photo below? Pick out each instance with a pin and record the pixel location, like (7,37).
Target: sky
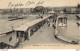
(32,3)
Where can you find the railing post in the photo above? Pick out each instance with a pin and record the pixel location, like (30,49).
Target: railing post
(28,33)
(56,30)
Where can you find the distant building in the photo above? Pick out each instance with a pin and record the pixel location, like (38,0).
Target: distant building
(67,10)
(51,12)
(70,10)
(61,12)
(74,10)
(58,9)
(1,11)
(78,5)
(78,8)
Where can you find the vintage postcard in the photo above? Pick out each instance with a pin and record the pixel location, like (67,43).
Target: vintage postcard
(39,24)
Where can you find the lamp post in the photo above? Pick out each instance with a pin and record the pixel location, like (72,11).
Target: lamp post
(56,30)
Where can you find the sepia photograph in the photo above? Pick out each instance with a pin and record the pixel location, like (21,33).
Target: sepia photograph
(40,24)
